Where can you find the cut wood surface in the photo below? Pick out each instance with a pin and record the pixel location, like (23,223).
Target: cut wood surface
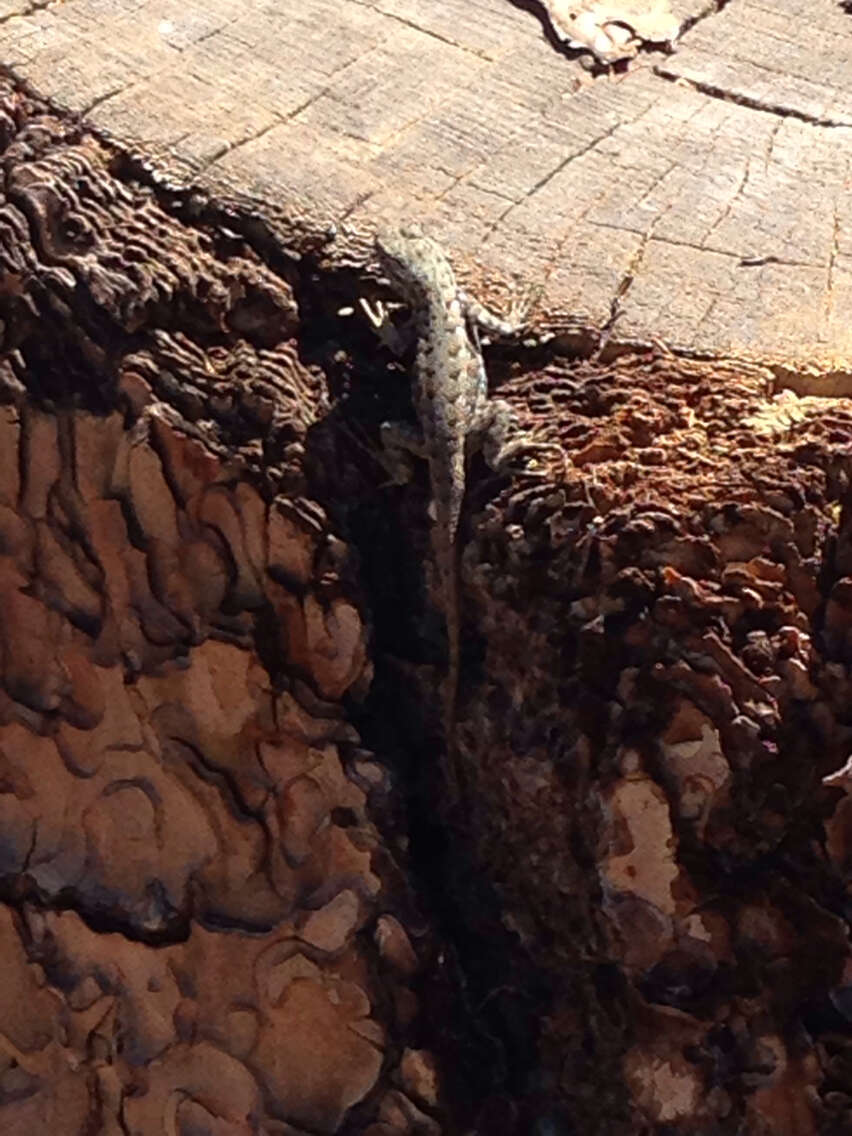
(702,198)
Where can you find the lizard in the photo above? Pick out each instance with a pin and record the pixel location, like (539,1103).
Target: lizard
(453,414)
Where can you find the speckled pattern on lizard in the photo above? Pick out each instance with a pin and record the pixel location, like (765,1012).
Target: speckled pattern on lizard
(453,413)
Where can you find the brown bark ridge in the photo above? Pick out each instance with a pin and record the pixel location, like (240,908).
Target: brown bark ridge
(202,929)
(229,903)
(700,197)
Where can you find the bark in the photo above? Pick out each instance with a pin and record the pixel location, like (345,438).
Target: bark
(230,903)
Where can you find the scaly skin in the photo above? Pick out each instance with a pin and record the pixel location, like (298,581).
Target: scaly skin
(451,402)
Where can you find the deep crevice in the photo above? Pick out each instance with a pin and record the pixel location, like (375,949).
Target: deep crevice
(481,1018)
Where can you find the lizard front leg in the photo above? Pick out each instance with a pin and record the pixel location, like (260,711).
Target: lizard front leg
(480,318)
(397,339)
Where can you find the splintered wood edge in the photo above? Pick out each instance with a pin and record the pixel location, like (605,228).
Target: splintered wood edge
(300,229)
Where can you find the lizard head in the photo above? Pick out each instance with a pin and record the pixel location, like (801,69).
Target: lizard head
(409,258)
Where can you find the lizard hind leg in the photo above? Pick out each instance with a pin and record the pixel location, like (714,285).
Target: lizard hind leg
(495,423)
(400,442)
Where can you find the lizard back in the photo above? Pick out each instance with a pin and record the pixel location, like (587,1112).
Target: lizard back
(448,369)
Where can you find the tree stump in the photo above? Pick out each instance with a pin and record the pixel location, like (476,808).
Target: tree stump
(230,900)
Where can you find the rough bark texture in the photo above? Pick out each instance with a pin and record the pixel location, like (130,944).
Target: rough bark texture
(202,927)
(222,912)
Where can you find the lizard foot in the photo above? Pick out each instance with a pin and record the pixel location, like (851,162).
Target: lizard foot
(523,303)
(396,339)
(493,326)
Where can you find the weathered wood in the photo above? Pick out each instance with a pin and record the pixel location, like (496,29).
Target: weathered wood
(209,918)
(186,847)
(716,226)
(785,58)
(208,895)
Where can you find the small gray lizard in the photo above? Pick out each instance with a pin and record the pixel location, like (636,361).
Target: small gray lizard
(453,413)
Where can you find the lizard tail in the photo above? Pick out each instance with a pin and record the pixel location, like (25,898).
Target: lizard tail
(455,772)
(448,492)
(450,569)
